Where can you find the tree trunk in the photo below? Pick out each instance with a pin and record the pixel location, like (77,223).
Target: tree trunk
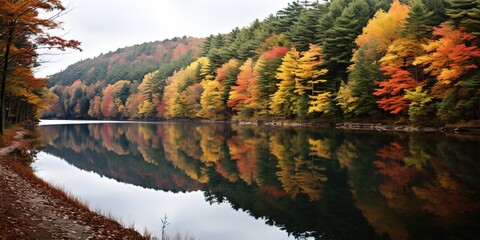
(17,114)
(8,44)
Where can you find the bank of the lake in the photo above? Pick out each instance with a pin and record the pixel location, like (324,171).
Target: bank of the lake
(467,128)
(33,209)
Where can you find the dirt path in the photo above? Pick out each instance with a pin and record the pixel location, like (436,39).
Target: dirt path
(30,209)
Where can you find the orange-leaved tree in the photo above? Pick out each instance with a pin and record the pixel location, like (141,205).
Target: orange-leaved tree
(448,58)
(397,66)
(242,92)
(22,32)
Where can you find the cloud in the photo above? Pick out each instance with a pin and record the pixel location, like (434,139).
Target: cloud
(107,25)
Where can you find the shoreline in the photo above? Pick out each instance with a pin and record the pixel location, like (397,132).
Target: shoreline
(33,209)
(473,129)
(380,127)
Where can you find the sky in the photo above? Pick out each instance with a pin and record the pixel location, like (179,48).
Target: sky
(106,25)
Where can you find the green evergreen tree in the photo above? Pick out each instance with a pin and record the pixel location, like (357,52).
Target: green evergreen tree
(438,9)
(303,32)
(287,17)
(419,21)
(469,104)
(206,46)
(384,4)
(326,21)
(363,77)
(340,40)
(465,13)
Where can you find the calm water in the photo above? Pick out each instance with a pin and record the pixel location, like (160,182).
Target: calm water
(219,181)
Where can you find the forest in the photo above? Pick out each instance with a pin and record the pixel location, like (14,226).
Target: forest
(408,62)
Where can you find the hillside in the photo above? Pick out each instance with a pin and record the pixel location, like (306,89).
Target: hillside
(410,62)
(85,80)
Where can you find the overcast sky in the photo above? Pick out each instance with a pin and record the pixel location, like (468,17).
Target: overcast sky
(106,25)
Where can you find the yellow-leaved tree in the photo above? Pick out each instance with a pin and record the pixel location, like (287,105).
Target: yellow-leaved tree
(308,76)
(282,100)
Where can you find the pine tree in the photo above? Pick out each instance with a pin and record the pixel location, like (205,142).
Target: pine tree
(326,21)
(437,7)
(340,40)
(362,79)
(465,13)
(287,17)
(303,32)
(207,45)
(419,21)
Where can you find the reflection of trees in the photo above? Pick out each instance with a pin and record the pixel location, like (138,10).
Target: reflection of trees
(451,192)
(215,150)
(108,136)
(298,172)
(332,217)
(356,154)
(406,188)
(242,151)
(181,144)
(448,199)
(391,165)
(83,146)
(316,182)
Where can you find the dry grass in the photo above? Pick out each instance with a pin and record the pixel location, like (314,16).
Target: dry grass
(8,135)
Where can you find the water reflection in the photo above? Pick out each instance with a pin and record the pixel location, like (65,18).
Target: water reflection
(319,183)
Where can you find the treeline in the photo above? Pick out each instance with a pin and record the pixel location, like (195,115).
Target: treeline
(365,60)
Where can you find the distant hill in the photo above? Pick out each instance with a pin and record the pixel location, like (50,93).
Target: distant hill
(100,87)
(129,63)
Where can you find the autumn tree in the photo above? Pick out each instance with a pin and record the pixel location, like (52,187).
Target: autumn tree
(266,68)
(113,101)
(242,92)
(392,91)
(309,79)
(448,59)
(417,109)
(398,63)
(211,101)
(372,45)
(174,96)
(227,76)
(282,100)
(22,32)
(74,101)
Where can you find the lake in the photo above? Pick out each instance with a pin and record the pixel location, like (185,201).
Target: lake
(227,181)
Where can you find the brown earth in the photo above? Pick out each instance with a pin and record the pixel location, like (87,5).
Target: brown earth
(32,209)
